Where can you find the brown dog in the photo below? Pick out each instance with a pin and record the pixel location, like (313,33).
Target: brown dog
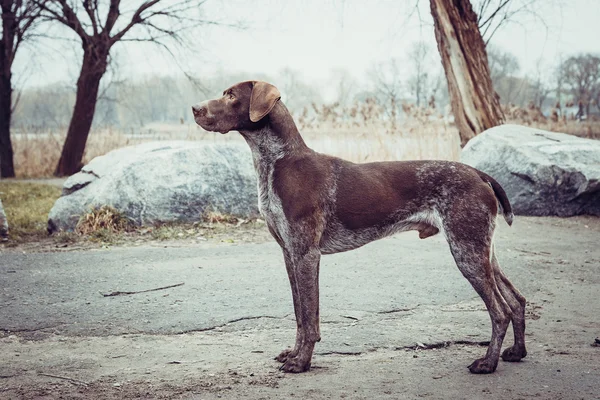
(317,204)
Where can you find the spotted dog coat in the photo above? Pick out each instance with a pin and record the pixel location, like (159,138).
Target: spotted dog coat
(317,204)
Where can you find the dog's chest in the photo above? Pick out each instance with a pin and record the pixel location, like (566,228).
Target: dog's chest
(270,205)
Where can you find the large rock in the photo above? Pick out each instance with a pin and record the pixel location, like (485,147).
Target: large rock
(3,224)
(161,182)
(543,173)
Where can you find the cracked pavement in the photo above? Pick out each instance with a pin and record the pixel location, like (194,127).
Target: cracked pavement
(381,306)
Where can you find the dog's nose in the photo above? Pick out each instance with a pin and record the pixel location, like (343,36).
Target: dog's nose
(199,110)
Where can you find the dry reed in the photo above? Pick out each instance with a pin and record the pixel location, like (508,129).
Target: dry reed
(362,132)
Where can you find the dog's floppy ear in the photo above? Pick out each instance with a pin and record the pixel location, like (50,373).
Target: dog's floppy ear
(262,100)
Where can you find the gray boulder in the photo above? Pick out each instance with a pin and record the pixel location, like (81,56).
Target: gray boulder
(543,173)
(3,224)
(161,182)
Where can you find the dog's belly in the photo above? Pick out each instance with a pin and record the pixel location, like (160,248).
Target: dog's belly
(337,238)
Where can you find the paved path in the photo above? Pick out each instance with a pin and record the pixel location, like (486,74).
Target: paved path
(235,305)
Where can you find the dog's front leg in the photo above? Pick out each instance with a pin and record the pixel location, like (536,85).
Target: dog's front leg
(289,266)
(305,268)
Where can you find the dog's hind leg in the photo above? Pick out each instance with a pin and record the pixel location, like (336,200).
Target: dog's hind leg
(516,302)
(471,248)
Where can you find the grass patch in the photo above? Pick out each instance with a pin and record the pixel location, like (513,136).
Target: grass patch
(27,206)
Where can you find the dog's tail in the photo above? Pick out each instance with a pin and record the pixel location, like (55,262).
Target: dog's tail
(500,195)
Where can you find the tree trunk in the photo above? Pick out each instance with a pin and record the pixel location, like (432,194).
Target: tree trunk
(93,67)
(7,169)
(475,104)
(587,109)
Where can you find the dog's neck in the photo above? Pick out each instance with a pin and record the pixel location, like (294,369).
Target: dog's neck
(278,138)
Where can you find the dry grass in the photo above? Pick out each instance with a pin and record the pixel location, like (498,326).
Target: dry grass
(363,132)
(27,206)
(359,133)
(37,153)
(215,217)
(435,140)
(106,219)
(585,129)
(556,122)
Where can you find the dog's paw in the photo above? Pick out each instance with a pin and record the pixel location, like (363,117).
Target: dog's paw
(294,365)
(482,366)
(284,355)
(513,354)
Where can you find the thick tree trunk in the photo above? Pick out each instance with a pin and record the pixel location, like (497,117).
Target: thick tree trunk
(7,169)
(92,69)
(475,104)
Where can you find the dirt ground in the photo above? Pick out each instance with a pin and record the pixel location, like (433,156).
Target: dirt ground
(398,320)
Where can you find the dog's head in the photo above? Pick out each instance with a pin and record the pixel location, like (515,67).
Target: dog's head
(242,107)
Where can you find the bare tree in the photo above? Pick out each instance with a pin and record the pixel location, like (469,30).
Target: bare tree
(345,84)
(503,67)
(18,20)
(539,86)
(298,93)
(475,104)
(581,76)
(155,21)
(387,85)
(502,63)
(418,82)
(559,84)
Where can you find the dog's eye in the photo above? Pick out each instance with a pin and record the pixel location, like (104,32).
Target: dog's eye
(231,96)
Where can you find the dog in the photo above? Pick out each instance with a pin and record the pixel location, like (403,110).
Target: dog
(317,204)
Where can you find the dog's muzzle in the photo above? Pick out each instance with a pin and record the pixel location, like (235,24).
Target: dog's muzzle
(199,110)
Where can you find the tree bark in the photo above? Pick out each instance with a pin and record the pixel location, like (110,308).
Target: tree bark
(475,104)
(92,69)
(7,169)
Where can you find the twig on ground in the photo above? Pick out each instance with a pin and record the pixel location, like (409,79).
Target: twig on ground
(443,344)
(341,353)
(66,378)
(395,310)
(537,253)
(119,293)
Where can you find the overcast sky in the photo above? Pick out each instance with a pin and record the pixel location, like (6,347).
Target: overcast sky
(316,36)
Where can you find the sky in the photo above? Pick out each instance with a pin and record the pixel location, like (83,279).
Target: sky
(315,37)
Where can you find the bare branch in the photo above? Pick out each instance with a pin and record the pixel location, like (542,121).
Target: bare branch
(66,16)
(113,15)
(136,19)
(89,9)
(491,17)
(24,18)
